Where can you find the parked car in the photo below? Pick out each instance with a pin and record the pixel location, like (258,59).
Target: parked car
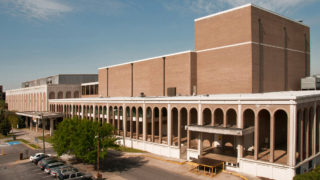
(48,167)
(74,175)
(37,155)
(36,160)
(55,170)
(46,161)
(65,170)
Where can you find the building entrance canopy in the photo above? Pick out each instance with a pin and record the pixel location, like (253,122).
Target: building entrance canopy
(40,115)
(220,130)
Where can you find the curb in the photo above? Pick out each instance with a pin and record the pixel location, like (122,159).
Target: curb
(235,174)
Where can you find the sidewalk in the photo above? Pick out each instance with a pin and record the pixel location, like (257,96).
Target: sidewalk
(31,136)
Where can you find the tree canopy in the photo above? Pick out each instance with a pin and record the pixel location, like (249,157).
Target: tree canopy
(79,137)
(5,125)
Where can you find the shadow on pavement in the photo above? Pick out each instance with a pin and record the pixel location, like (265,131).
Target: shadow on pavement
(116,162)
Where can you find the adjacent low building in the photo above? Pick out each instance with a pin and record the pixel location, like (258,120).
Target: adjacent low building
(236,97)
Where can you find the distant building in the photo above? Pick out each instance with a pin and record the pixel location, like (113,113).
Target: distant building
(234,98)
(34,95)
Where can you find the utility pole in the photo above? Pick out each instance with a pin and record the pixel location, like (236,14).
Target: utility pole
(44,144)
(98,150)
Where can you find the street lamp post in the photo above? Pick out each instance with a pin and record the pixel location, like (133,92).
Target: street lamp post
(44,146)
(98,150)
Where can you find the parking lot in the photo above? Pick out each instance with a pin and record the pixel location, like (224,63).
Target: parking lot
(12,168)
(25,171)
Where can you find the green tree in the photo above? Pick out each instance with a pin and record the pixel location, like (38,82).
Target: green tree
(5,126)
(13,119)
(79,137)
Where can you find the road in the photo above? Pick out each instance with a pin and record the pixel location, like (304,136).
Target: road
(150,172)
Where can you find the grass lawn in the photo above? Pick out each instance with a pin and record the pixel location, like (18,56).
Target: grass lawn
(128,149)
(47,138)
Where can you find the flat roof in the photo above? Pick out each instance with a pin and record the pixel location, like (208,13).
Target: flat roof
(40,115)
(281,95)
(89,83)
(141,60)
(247,5)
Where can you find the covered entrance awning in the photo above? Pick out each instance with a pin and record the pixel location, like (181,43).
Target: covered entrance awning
(44,117)
(40,115)
(220,130)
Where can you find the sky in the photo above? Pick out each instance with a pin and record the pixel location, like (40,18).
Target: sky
(40,38)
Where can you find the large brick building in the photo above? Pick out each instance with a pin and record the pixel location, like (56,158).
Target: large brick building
(233,98)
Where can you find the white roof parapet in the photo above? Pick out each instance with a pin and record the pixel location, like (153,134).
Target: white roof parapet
(220,130)
(89,83)
(287,96)
(247,5)
(141,60)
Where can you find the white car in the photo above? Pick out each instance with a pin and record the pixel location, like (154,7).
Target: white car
(37,155)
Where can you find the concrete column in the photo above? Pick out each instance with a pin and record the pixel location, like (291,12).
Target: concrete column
(113,117)
(212,118)
(124,120)
(224,119)
(200,144)
(256,137)
(51,126)
(131,119)
(72,111)
(152,124)
(188,132)
(307,133)
(239,148)
(94,113)
(272,138)
(292,136)
(179,129)
(169,126)
(301,138)
(82,111)
(31,119)
(200,137)
(118,118)
(160,125)
(37,124)
(137,123)
(144,122)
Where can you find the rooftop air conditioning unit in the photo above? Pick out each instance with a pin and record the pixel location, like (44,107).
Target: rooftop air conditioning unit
(310,83)
(171,91)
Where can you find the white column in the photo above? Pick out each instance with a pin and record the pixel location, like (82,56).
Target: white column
(94,113)
(144,122)
(239,138)
(124,120)
(169,121)
(37,124)
(292,135)
(51,126)
(200,122)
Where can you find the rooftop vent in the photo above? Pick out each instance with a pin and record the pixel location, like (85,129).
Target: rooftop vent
(171,91)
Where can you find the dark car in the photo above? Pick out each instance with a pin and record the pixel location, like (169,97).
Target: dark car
(46,161)
(48,167)
(63,170)
(73,175)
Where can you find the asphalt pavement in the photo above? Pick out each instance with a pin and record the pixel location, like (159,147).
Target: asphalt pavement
(12,168)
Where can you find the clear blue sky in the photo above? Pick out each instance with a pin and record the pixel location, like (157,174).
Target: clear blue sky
(39,38)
